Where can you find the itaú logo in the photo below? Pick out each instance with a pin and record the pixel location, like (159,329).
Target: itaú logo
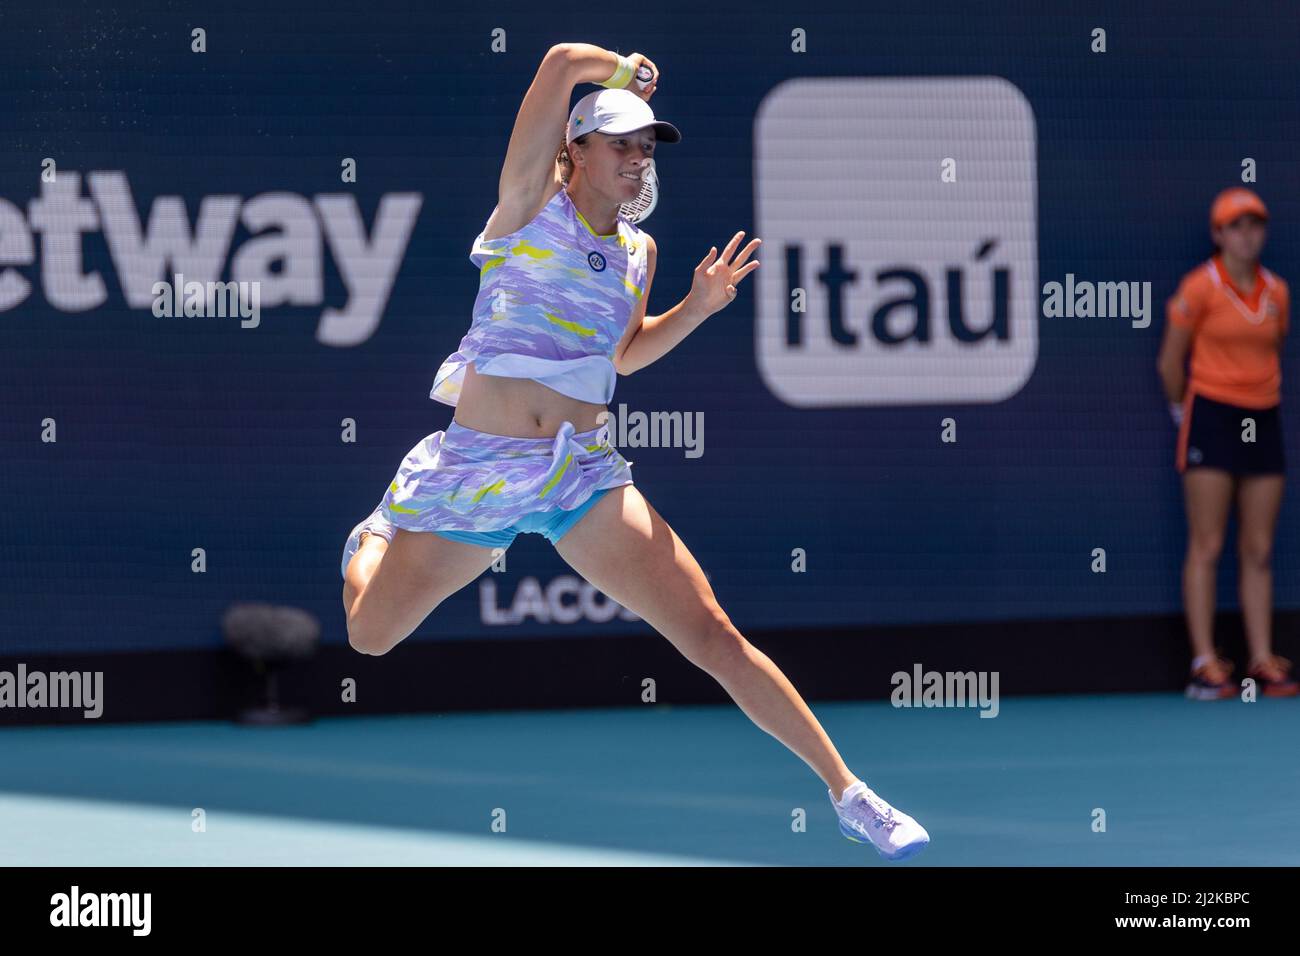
(901,254)
(283,256)
(565,600)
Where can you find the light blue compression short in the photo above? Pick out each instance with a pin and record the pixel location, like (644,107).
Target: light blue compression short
(553,523)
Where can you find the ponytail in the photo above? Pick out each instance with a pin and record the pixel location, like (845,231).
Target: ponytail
(564,161)
(565,164)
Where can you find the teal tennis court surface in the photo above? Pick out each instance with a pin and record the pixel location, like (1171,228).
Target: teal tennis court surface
(1181,783)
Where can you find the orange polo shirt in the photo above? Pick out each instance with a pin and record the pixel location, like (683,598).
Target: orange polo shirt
(1236,338)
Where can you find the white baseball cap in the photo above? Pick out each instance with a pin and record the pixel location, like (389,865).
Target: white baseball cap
(616,111)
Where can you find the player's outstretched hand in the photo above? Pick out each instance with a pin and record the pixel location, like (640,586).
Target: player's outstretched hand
(717,277)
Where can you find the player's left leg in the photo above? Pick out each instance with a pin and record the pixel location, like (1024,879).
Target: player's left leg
(1259,499)
(626,550)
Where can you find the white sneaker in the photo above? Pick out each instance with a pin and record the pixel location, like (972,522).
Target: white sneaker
(866,818)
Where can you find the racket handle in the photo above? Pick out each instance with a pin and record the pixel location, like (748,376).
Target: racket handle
(643,76)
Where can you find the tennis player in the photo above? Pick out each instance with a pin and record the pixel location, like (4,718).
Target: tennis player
(1232,315)
(560,313)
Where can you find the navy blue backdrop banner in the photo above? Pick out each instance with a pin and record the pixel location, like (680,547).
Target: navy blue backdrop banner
(919,179)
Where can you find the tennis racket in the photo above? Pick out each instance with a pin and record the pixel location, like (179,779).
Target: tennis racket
(639,209)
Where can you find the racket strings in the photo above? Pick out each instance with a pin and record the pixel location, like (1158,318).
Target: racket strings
(641,206)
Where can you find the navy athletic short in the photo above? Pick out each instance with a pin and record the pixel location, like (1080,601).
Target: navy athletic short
(1215,435)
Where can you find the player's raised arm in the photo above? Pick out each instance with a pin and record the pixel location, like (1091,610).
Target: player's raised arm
(539,126)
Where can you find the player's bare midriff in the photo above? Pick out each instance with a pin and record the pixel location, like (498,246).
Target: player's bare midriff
(520,407)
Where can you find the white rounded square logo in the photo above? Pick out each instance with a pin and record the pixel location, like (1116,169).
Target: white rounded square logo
(900,240)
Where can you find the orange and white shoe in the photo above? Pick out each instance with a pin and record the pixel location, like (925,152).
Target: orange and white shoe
(1211,679)
(1273,676)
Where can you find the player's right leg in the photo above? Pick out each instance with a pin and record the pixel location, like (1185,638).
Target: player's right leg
(390,587)
(1208,492)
